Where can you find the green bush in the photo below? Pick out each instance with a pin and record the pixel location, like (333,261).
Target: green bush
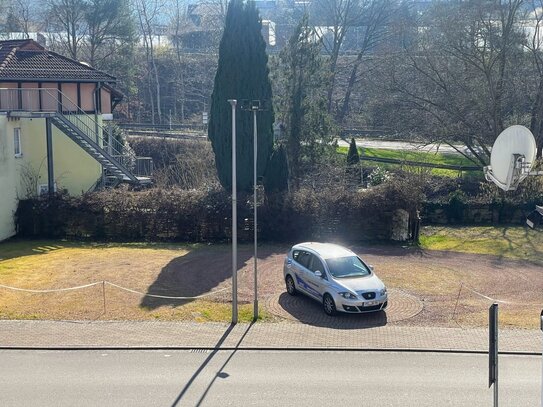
(378,176)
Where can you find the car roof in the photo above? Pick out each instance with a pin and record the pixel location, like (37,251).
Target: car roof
(325,250)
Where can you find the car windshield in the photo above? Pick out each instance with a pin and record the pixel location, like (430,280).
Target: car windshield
(351,266)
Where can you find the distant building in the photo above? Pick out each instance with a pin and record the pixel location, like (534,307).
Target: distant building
(205,17)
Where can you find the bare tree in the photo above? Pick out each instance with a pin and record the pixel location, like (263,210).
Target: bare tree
(148,14)
(21,14)
(338,18)
(533,26)
(178,22)
(453,80)
(374,19)
(109,27)
(68,17)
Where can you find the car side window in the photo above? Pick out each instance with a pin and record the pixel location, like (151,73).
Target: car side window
(316,264)
(304,258)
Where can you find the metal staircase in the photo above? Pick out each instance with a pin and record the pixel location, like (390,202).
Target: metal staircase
(113,166)
(119,163)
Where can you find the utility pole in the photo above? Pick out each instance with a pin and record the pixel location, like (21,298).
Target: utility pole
(541,326)
(233,103)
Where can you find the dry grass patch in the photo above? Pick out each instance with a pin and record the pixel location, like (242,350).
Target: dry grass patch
(434,277)
(438,277)
(47,265)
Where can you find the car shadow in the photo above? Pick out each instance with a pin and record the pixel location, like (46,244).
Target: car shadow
(310,312)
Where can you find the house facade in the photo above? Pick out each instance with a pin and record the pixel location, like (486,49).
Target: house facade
(54,132)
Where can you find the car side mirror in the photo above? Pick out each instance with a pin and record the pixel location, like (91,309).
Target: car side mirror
(371,267)
(318,273)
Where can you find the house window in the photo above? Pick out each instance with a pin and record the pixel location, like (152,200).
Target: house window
(17,142)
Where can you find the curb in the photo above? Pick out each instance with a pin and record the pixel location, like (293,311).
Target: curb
(251,348)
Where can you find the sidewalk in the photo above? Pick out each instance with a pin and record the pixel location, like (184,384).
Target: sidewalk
(283,335)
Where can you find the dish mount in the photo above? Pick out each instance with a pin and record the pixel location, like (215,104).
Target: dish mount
(512,158)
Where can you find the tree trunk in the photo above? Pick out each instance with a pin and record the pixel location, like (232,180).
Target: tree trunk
(346,100)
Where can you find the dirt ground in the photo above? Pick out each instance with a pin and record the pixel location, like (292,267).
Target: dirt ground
(452,288)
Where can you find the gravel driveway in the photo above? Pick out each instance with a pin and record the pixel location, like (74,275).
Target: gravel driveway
(427,287)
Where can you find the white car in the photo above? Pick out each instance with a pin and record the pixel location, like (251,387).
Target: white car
(335,276)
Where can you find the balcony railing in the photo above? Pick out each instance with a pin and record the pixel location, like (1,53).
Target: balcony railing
(50,100)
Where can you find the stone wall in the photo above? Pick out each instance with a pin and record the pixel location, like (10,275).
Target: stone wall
(479,214)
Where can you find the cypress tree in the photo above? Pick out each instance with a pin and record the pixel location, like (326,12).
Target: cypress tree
(276,179)
(242,73)
(353,165)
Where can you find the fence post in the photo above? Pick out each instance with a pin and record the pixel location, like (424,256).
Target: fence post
(104,294)
(493,350)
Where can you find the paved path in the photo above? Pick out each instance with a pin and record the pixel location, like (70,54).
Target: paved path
(282,335)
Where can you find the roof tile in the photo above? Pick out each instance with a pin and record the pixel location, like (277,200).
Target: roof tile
(27,60)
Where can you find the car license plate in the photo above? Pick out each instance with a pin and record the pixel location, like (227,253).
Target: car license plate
(370,303)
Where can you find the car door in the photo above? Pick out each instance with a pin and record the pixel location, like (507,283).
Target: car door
(317,284)
(301,259)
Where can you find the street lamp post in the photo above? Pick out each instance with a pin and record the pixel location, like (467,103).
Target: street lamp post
(233,103)
(255,226)
(254,106)
(541,326)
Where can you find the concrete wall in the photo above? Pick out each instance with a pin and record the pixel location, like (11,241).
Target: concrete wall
(74,170)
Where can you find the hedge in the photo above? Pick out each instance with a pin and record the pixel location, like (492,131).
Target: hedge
(205,216)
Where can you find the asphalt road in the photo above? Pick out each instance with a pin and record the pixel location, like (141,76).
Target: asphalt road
(261,378)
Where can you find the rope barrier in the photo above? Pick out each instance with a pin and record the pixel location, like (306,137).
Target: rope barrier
(51,290)
(486,297)
(166,296)
(113,285)
(499,301)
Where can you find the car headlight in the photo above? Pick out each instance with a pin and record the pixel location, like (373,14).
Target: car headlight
(348,296)
(383,292)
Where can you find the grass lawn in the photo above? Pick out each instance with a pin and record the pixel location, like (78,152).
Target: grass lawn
(418,156)
(436,278)
(512,242)
(43,265)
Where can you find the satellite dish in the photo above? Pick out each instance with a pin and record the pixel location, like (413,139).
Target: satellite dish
(512,157)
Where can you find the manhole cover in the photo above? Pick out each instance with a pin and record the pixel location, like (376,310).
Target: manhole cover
(401,306)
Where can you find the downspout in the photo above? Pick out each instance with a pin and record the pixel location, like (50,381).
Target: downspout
(96,107)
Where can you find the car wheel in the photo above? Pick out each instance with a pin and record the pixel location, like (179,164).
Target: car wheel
(329,305)
(291,288)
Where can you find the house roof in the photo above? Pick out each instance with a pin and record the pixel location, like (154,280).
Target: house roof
(24,60)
